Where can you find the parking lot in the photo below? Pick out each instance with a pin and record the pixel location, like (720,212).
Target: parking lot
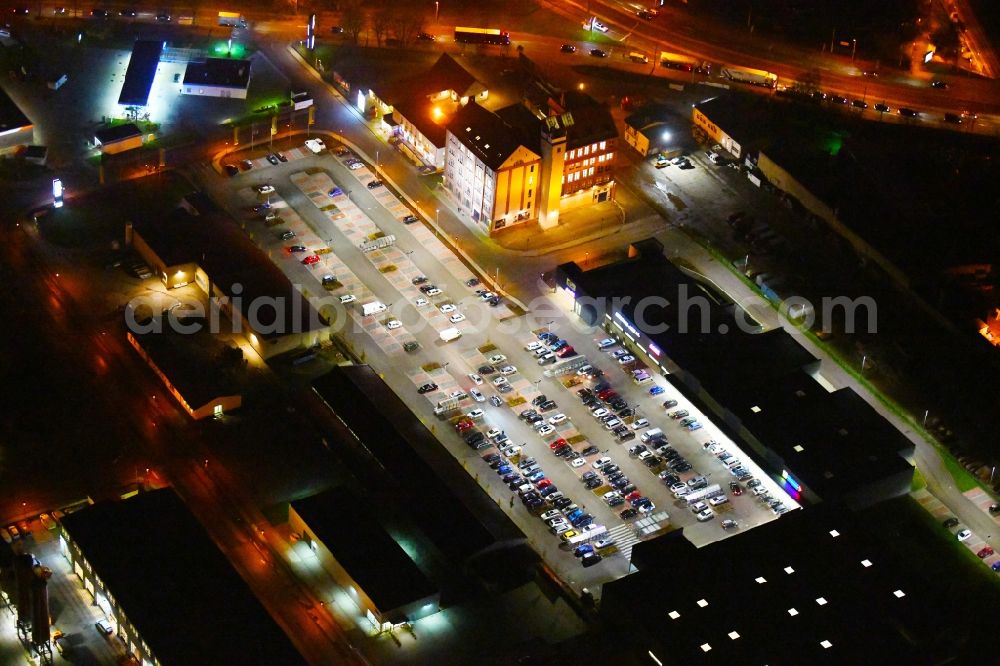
(324,206)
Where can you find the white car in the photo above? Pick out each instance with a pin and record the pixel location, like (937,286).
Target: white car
(348,298)
(496,359)
(433,291)
(500,381)
(625,360)
(601,462)
(486,295)
(557,419)
(698,507)
(459,394)
(353,166)
(457,317)
(598,26)
(598,413)
(512,451)
(718,500)
(550,514)
(705,515)
(533,345)
(611,496)
(476,414)
(393,324)
(265,189)
(612,424)
(476,379)
(421,302)
(448,307)
(508,370)
(315,145)
(639,424)
(546,430)
(577,462)
(477,395)
(493,433)
(604,543)
(964,535)
(606,343)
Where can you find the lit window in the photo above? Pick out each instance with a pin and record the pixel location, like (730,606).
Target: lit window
(826,644)
(705,647)
(899,594)
(798,448)
(702,603)
(755,409)
(821,601)
(789,570)
(760,580)
(603,144)
(733,635)
(866,563)
(673,615)
(834,533)
(792,612)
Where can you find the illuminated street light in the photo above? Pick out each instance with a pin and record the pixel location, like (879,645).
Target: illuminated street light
(666,136)
(57,193)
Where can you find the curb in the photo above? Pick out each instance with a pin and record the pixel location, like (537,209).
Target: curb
(428,219)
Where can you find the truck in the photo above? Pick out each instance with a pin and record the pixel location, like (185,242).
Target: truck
(232,19)
(703,494)
(449,334)
(482,36)
(754,77)
(681,62)
(374,307)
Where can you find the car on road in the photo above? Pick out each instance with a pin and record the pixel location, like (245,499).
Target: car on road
(908,113)
(163,18)
(508,370)
(590,559)
(735,488)
(495,400)
(231,169)
(984,552)
(705,515)
(656,390)
(547,358)
(421,302)
(425,37)
(950,522)
(456,318)
(496,359)
(598,26)
(625,360)
(373,184)
(272,158)
(582,550)
(567,48)
(599,53)
(606,343)
(940,85)
(729,524)
(311,259)
(557,419)
(882,108)
(964,535)
(103,626)
(348,298)
(354,165)
(669,404)
(448,307)
(859,104)
(265,189)
(393,324)
(639,424)
(287,235)
(838,99)
(679,414)
(477,395)
(427,388)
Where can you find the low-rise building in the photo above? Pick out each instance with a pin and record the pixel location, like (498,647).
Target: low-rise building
(217,77)
(167,591)
(248,294)
(361,556)
(118,138)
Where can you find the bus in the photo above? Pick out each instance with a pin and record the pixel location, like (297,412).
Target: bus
(482,36)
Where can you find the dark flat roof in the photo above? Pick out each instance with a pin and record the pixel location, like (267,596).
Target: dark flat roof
(684,598)
(175,585)
(760,378)
(221,72)
(140,73)
(194,362)
(11,116)
(420,112)
(371,557)
(213,241)
(452,510)
(487,135)
(117,133)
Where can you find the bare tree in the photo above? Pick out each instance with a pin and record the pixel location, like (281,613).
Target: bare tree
(381,21)
(353,19)
(407,22)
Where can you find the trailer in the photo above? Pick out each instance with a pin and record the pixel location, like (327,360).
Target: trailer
(232,19)
(754,77)
(681,62)
(482,36)
(703,494)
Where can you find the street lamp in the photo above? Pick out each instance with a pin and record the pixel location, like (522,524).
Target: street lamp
(437,9)
(854,48)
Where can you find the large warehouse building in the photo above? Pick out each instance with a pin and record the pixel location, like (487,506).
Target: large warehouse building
(167,590)
(818,444)
(217,77)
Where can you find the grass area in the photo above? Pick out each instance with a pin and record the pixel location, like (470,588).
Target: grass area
(918,480)
(905,528)
(964,480)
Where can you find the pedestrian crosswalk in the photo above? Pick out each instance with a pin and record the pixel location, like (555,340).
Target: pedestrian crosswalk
(625,538)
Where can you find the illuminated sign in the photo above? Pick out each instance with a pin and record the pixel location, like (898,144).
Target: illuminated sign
(653,349)
(57,193)
(928,57)
(628,325)
(787,478)
(311,33)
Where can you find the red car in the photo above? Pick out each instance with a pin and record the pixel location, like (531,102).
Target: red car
(634,495)
(556,444)
(463,425)
(565,351)
(985,552)
(735,488)
(311,259)
(544,483)
(603,395)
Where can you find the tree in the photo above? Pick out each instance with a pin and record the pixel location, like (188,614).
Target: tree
(353,19)
(407,22)
(381,21)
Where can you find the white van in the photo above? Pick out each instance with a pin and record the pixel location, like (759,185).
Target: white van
(450,334)
(375,307)
(652,433)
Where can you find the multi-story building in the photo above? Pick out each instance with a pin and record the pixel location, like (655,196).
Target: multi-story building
(523,164)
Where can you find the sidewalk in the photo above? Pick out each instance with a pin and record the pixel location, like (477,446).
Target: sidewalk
(575,227)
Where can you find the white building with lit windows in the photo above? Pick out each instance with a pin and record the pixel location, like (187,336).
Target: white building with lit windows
(525,165)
